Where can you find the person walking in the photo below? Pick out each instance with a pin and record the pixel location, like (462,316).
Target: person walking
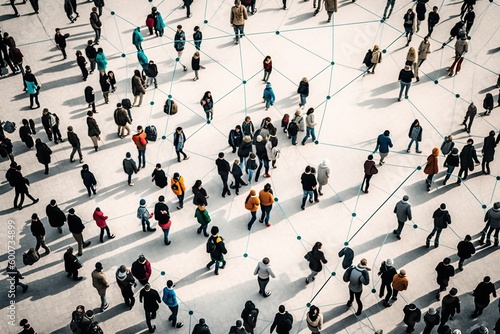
(267,64)
(179,44)
(178,188)
(386,273)
(121,120)
(72,264)
(431,167)
(482,296)
(452,161)
(488,104)
(93,130)
(237,20)
(126,281)
(151,74)
(95,23)
(252,204)
(249,315)
(412,316)
(200,194)
(268,95)
(261,152)
(162,215)
(138,89)
(144,215)
(266,199)
(43,153)
(465,250)
(223,169)
(409,25)
(423,50)
(399,283)
(20,184)
(89,180)
(25,134)
(461,48)
(76,227)
(370,169)
(442,219)
(50,122)
(60,41)
(179,141)
(159,25)
(384,142)
(310,124)
(140,142)
(388,6)
(137,38)
(90,98)
(449,306)
(431,320)
(403,213)
(283,321)
(469,115)
(91,54)
(170,299)
(100,220)
(141,269)
(38,231)
(415,135)
(432,20)
(309,184)
(303,91)
(444,271)
(469,18)
(376,59)
(197,38)
(405,77)
(82,63)
(323,175)
(216,249)
(105,85)
(467,158)
(203,218)
(488,152)
(151,300)
(55,215)
(201,327)
(207,103)
(492,220)
(263,271)
(316,260)
(235,139)
(314,319)
(357,276)
(100,283)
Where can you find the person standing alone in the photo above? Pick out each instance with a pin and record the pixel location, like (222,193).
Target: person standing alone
(403,213)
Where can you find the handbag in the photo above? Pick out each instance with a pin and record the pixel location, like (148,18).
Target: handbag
(308,256)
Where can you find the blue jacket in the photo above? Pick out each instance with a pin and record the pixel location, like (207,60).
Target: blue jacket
(101,61)
(383,143)
(143,60)
(159,24)
(169,297)
(137,37)
(31,87)
(269,94)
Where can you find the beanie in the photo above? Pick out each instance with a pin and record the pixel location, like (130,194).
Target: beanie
(142,202)
(71,211)
(389,262)
(405,198)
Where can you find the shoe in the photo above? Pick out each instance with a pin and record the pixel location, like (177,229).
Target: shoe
(79,254)
(267,175)
(266,294)
(436,245)
(307,281)
(179,208)
(25,288)
(418,151)
(36,201)
(112,236)
(131,184)
(358,313)
(86,244)
(198,230)
(387,304)
(152,330)
(418,79)
(168,243)
(186,158)
(79,278)
(399,237)
(72,160)
(179,325)
(268,225)
(407,150)
(320,193)
(151,229)
(20,207)
(438,296)
(488,243)
(185,69)
(427,245)
(395,232)
(349,303)
(399,99)
(310,201)
(365,191)
(69,274)
(303,207)
(206,235)
(261,221)
(105,307)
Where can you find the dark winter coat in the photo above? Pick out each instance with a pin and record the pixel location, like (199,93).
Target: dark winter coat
(43,153)
(162,218)
(89,95)
(220,248)
(236,171)
(73,139)
(489,148)
(104,82)
(71,262)
(235,138)
(88,178)
(411,316)
(450,304)
(151,300)
(75,224)
(465,249)
(93,128)
(283,323)
(317,260)
(452,160)
(482,293)
(260,149)
(245,149)
(303,88)
(201,329)
(37,228)
(444,272)
(441,218)
(199,196)
(223,167)
(55,215)
(25,134)
(468,156)
(129,166)
(160,178)
(387,273)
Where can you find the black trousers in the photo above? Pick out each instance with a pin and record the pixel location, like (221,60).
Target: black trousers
(128,295)
(356,295)
(173,316)
(225,189)
(22,193)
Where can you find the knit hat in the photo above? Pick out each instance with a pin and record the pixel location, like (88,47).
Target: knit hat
(432,311)
(141,258)
(454,151)
(402,272)
(456,331)
(176,176)
(142,202)
(412,307)
(442,206)
(405,198)
(253,192)
(389,262)
(435,151)
(71,211)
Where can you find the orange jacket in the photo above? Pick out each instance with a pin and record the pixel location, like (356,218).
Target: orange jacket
(181,188)
(399,283)
(140,141)
(266,198)
(252,204)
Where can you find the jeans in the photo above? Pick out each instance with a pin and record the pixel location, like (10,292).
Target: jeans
(181,200)
(142,158)
(238,31)
(458,61)
(449,171)
(250,175)
(104,302)
(253,219)
(294,140)
(92,64)
(488,236)
(179,152)
(34,98)
(309,132)
(309,193)
(40,241)
(217,264)
(173,316)
(266,75)
(411,143)
(91,188)
(266,213)
(101,236)
(145,224)
(97,35)
(209,113)
(264,162)
(262,285)
(390,3)
(409,33)
(436,231)
(428,180)
(303,99)
(356,295)
(312,275)
(150,315)
(57,133)
(150,80)
(197,45)
(404,86)
(165,235)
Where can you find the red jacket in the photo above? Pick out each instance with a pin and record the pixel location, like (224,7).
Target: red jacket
(140,141)
(100,219)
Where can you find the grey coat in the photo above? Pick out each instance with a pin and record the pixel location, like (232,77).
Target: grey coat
(129,166)
(323,173)
(403,211)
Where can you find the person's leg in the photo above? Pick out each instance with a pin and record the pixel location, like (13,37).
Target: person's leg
(459,64)
(250,175)
(252,220)
(400,227)
(236,34)
(148,320)
(268,213)
(101,236)
(294,140)
(79,240)
(257,174)
(401,87)
(39,241)
(165,236)
(438,233)
(311,276)
(262,285)
(409,145)
(407,88)
(461,263)
(308,133)
(367,182)
(429,237)
(359,302)
(388,4)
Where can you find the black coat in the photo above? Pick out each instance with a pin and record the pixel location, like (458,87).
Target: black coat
(489,148)
(199,196)
(317,260)
(60,40)
(151,299)
(465,249)
(93,128)
(55,215)
(104,82)
(73,139)
(160,178)
(88,178)
(260,149)
(468,156)
(75,224)
(37,228)
(71,262)
(303,88)
(129,166)
(223,167)
(25,134)
(245,149)
(387,273)
(220,248)
(43,153)
(411,316)
(160,217)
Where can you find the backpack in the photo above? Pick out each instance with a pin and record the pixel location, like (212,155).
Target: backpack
(168,108)
(75,324)
(368,58)
(151,133)
(126,104)
(94,328)
(293,128)
(9,126)
(30,257)
(211,245)
(308,256)
(347,274)
(275,152)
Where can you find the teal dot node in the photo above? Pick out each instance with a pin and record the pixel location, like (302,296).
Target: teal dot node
(381,21)
(169,96)
(406,97)
(244,82)
(334,273)
(484,206)
(498,178)
(123,55)
(112,13)
(328,97)
(277,32)
(415,226)
(177,59)
(190,312)
(457,95)
(353,214)
(276,199)
(208,122)
(162,273)
(436,82)
(384,51)
(299,237)
(308,304)
(205,21)
(374,290)
(316,142)
(419,167)
(245,255)
(163,137)
(332,63)
(152,102)
(346,243)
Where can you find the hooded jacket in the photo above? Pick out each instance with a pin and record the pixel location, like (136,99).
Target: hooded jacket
(323,172)
(124,280)
(493,217)
(100,219)
(55,215)
(432,166)
(359,277)
(99,282)
(441,218)
(269,93)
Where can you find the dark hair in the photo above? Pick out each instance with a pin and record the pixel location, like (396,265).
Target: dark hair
(221,154)
(313,312)
(158,165)
(415,122)
(281,308)
(387,132)
(170,283)
(308,169)
(446,260)
(310,111)
(137,73)
(370,157)
(267,187)
(317,246)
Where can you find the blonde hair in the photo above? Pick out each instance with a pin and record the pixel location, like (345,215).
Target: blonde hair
(375,47)
(304,79)
(298,112)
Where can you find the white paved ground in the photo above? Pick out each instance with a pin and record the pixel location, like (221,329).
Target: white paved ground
(352,110)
